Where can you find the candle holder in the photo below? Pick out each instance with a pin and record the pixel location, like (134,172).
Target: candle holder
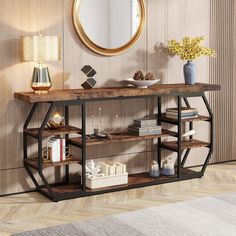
(56,121)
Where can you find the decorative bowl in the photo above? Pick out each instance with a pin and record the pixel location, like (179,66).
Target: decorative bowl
(142,83)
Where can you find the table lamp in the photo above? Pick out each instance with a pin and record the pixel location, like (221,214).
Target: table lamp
(41,49)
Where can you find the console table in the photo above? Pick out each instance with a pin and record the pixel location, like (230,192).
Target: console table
(79,97)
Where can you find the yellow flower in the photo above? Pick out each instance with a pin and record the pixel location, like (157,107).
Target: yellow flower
(189,48)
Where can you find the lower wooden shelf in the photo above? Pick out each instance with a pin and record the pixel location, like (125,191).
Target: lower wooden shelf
(33,162)
(67,191)
(192,143)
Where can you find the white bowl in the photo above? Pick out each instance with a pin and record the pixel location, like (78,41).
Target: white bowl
(142,83)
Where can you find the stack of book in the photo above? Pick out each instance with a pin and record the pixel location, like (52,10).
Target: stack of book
(144,127)
(57,146)
(186,113)
(112,168)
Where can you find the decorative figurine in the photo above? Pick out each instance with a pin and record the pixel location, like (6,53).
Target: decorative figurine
(168,166)
(89,83)
(186,135)
(154,170)
(89,72)
(92,169)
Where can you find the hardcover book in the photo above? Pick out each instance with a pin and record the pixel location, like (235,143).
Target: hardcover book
(146,122)
(144,131)
(183,110)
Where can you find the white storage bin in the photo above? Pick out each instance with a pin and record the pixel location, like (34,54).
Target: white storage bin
(107,181)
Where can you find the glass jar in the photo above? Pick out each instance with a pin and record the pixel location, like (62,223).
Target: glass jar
(154,169)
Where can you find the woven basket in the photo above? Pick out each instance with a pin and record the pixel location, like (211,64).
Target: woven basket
(107,181)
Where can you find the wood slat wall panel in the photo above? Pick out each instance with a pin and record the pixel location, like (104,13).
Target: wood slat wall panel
(14,75)
(222,28)
(15,181)
(165,19)
(234,76)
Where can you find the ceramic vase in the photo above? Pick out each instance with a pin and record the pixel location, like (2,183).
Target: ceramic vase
(190,73)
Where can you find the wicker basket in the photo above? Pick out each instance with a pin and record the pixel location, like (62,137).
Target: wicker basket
(107,181)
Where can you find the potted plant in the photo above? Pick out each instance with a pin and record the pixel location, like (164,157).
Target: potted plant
(189,49)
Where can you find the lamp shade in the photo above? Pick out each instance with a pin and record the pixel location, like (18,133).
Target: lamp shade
(41,48)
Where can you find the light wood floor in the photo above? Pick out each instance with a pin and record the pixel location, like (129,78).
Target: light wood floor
(32,211)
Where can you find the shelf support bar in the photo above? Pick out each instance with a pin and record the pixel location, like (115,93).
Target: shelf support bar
(83,110)
(40,149)
(25,137)
(67,170)
(185,157)
(179,137)
(211,133)
(40,138)
(32,176)
(190,123)
(159,139)
(32,111)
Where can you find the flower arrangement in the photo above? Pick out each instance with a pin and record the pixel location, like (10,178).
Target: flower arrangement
(189,48)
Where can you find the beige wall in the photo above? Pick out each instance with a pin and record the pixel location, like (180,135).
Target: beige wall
(166,19)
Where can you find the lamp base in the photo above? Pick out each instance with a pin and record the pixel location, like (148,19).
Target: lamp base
(41,81)
(40,91)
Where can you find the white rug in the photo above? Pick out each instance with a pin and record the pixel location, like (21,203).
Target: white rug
(210,216)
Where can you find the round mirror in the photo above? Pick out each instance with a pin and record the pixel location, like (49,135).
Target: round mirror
(109,27)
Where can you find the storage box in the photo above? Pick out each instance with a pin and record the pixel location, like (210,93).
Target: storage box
(144,131)
(146,122)
(107,181)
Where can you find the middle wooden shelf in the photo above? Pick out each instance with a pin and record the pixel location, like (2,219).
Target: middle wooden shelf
(119,137)
(192,143)
(66,129)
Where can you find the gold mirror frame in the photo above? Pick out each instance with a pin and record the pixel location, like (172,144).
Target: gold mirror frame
(105,51)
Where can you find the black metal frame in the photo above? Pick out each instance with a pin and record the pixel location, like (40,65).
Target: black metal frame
(47,189)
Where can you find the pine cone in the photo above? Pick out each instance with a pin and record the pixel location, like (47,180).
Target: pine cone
(149,76)
(138,75)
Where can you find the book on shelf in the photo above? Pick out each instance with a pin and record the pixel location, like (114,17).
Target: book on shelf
(57,146)
(182,114)
(145,130)
(182,117)
(186,113)
(184,110)
(145,122)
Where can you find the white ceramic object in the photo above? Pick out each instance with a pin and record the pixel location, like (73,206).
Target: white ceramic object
(189,133)
(106,181)
(92,169)
(168,166)
(142,83)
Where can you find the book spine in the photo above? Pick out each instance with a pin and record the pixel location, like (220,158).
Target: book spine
(61,149)
(182,110)
(182,117)
(182,114)
(146,132)
(144,128)
(54,150)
